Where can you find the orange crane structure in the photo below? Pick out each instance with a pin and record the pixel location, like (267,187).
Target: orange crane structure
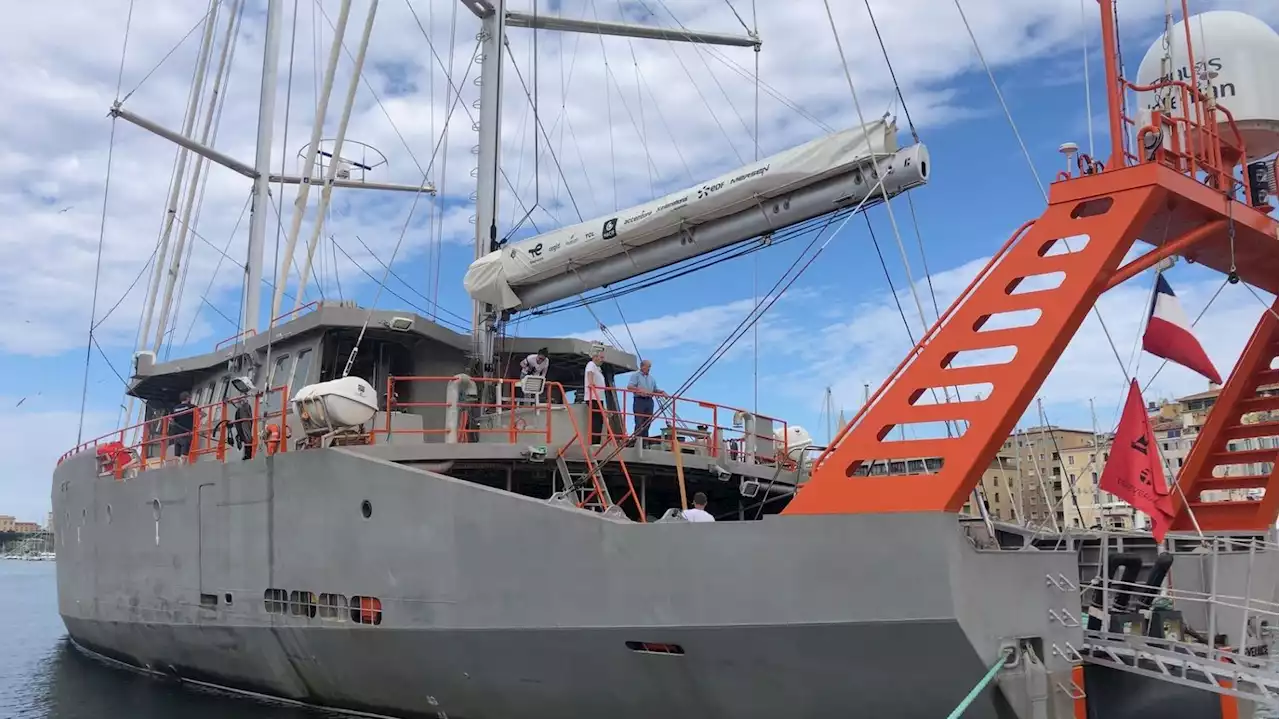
(1183,191)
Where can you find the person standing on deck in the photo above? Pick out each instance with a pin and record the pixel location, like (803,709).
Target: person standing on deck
(643,389)
(594,388)
(181,424)
(699,511)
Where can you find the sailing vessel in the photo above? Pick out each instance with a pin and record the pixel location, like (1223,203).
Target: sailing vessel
(367,511)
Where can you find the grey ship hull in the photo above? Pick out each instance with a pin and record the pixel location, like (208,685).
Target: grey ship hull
(498,606)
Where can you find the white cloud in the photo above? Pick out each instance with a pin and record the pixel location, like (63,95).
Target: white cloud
(623,127)
(627,125)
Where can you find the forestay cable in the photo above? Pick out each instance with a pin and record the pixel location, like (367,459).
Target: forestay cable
(1030,163)
(90,342)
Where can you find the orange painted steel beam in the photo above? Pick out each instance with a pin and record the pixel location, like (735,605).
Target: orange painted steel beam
(1167,249)
(1238,397)
(1110,223)
(1149,202)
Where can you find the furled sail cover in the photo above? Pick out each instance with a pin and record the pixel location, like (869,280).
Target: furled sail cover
(497,278)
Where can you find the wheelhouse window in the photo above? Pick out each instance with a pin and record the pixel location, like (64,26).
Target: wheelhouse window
(301,369)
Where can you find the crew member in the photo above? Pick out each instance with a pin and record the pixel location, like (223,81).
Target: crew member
(699,511)
(643,389)
(594,387)
(181,425)
(535,364)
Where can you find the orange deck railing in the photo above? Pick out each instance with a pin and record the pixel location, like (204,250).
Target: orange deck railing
(1190,142)
(706,428)
(702,426)
(165,439)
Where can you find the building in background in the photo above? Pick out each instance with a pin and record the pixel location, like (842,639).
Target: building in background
(48,522)
(26,527)
(6,523)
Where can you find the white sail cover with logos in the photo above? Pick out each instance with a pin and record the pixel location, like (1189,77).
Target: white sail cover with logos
(498,278)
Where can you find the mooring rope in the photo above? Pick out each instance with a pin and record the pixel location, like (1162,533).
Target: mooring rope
(982,684)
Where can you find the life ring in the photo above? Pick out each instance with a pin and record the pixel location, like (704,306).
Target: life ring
(520,425)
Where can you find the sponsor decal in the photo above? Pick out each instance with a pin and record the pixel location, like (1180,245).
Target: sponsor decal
(514,252)
(673,204)
(610,229)
(759,171)
(706,190)
(573,240)
(638,217)
(553,248)
(535,251)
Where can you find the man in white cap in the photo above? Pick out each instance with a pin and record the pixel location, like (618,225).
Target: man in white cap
(594,389)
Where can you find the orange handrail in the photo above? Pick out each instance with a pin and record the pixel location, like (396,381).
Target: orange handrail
(205,426)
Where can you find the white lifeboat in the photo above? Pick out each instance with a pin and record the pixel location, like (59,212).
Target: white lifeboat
(334,405)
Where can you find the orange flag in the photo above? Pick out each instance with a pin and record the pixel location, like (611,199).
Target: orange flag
(1134,471)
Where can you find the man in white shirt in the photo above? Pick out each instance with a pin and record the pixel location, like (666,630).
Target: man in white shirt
(594,388)
(535,364)
(699,512)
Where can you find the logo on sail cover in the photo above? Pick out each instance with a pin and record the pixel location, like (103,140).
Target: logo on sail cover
(610,229)
(536,250)
(706,190)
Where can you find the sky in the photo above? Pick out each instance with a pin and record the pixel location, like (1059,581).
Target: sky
(620,122)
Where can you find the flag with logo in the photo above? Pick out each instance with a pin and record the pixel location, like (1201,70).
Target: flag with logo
(1169,336)
(1134,472)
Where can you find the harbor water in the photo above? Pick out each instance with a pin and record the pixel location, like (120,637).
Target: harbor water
(42,676)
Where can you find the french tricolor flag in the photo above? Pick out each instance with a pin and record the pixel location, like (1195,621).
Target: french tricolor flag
(1169,335)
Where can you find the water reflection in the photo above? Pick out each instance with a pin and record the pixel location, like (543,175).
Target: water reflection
(43,676)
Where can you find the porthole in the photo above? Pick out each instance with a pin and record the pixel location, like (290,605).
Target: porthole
(84,513)
(155,509)
(366,509)
(108,514)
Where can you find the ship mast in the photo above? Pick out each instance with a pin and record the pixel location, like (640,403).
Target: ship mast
(262,168)
(260,171)
(486,321)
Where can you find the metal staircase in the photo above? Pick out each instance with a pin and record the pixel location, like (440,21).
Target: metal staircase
(1189,664)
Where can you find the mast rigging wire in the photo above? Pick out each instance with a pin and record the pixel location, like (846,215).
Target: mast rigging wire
(892,76)
(409,303)
(779,289)
(417,196)
(951,425)
(1031,164)
(212,10)
(102,233)
(284,148)
(755,261)
(438,246)
(405,282)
